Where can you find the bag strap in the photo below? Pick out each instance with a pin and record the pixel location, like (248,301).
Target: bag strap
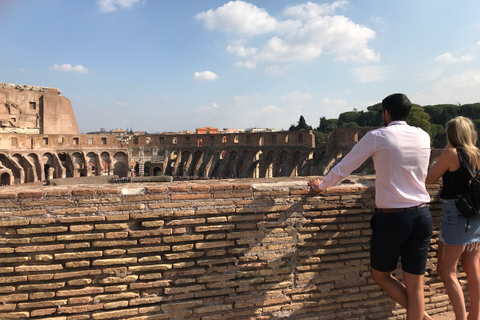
(461,152)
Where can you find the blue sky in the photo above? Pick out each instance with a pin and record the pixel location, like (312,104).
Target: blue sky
(164,65)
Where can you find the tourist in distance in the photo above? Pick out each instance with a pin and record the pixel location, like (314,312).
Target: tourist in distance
(458,239)
(402,226)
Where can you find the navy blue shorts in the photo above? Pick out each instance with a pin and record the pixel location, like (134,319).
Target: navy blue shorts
(405,235)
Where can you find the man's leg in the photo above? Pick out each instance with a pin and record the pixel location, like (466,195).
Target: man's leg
(409,296)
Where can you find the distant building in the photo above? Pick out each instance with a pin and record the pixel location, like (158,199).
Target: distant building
(253,130)
(206,130)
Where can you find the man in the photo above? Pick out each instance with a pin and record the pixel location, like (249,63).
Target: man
(402,226)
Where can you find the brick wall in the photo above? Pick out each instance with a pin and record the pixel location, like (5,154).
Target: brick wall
(245,249)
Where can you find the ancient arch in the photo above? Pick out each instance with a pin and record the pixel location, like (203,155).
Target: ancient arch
(78,165)
(106,163)
(49,166)
(120,168)
(37,167)
(93,167)
(67,163)
(5,179)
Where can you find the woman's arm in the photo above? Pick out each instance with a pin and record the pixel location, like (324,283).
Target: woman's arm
(444,163)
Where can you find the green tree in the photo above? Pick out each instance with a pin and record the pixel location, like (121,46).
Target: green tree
(327,125)
(348,117)
(301,125)
(419,118)
(320,137)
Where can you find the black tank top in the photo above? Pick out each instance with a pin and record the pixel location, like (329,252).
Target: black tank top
(456,183)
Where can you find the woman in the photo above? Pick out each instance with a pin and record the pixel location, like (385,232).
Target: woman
(455,241)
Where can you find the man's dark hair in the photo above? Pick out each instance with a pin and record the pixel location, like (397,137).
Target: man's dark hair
(398,105)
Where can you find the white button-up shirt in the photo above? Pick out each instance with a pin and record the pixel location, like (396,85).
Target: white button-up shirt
(401,154)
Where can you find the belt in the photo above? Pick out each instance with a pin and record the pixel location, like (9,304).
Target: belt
(396,210)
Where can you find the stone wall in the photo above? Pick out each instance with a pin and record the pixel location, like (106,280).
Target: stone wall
(232,249)
(35,110)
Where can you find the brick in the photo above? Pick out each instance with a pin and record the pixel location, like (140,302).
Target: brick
(48,202)
(43,312)
(151,284)
(42,230)
(77,264)
(10,223)
(44,248)
(112,226)
(83,192)
(109,262)
(117,314)
(192,196)
(131,207)
(186,222)
(30,194)
(78,255)
(80,292)
(116,296)
(81,219)
(13,279)
(80,237)
(209,245)
(156,189)
(31,268)
(115,280)
(185,238)
(42,304)
(15,315)
(115,243)
(41,287)
(79,309)
(81,228)
(24,213)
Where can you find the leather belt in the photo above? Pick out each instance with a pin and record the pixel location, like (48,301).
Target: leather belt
(397,210)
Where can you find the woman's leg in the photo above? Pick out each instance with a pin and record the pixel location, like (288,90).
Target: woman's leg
(471,266)
(448,256)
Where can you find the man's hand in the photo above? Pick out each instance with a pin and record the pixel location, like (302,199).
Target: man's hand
(314,185)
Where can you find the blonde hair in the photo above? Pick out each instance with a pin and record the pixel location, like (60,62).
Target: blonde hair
(461,133)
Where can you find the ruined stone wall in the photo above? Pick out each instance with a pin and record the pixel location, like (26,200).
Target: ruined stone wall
(35,110)
(236,249)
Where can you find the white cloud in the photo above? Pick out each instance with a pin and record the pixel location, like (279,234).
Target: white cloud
(312,10)
(212,107)
(113,5)
(297,96)
(69,68)
(461,88)
(205,76)
(378,20)
(238,17)
(369,73)
(247,64)
(239,49)
(450,58)
(314,29)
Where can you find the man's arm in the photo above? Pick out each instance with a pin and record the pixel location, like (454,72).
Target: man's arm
(354,159)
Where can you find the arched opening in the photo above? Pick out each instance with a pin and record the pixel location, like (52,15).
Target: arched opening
(5,179)
(157,171)
(120,168)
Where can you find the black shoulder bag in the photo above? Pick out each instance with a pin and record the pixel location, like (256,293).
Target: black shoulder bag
(468,204)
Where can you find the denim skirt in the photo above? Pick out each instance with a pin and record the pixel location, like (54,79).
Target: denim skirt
(452,229)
